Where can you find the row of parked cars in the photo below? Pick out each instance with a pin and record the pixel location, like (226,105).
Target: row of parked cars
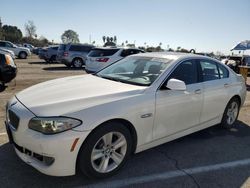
(78,55)
(14,50)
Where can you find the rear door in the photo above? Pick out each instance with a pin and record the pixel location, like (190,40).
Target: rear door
(216,84)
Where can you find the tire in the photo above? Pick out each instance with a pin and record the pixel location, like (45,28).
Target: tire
(230,114)
(77,62)
(52,59)
(102,164)
(22,55)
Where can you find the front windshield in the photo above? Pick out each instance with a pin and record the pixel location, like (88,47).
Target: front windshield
(136,70)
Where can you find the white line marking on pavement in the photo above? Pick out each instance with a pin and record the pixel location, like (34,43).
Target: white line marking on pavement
(1,134)
(170,174)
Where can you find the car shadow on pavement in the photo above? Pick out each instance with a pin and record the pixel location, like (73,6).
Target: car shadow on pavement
(42,63)
(62,68)
(210,146)
(248,87)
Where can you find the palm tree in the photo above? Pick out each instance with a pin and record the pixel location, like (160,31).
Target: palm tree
(115,39)
(104,39)
(111,39)
(107,39)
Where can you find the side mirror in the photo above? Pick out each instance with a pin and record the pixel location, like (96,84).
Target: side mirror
(176,85)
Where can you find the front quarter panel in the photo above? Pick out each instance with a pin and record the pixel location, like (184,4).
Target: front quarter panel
(130,109)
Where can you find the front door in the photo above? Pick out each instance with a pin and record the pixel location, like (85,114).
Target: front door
(177,111)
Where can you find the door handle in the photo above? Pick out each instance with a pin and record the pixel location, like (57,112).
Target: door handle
(197,91)
(226,85)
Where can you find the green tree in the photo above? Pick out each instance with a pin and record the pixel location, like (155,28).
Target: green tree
(12,33)
(70,36)
(30,29)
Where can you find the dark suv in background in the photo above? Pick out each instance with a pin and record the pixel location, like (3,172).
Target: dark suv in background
(8,68)
(73,54)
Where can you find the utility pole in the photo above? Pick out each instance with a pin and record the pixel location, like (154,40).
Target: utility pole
(90,39)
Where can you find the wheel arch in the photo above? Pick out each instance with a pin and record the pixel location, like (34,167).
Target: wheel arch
(124,122)
(127,124)
(238,98)
(22,51)
(77,57)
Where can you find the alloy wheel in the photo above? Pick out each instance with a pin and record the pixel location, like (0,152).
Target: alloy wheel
(232,113)
(109,152)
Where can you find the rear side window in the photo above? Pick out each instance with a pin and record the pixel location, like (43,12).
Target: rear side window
(186,72)
(62,47)
(224,73)
(54,48)
(75,48)
(102,52)
(209,70)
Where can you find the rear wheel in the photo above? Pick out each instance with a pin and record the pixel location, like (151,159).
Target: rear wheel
(105,151)
(77,63)
(52,59)
(231,113)
(23,55)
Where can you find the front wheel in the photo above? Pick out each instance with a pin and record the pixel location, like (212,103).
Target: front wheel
(105,151)
(231,113)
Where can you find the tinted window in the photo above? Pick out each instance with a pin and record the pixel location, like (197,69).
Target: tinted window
(86,48)
(209,70)
(55,48)
(223,71)
(62,47)
(187,72)
(2,44)
(127,52)
(102,52)
(75,48)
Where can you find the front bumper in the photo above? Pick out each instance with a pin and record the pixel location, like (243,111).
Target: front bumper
(49,154)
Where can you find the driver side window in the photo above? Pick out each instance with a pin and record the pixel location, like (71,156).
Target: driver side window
(186,72)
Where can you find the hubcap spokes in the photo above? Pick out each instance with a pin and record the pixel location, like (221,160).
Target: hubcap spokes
(78,63)
(108,152)
(232,113)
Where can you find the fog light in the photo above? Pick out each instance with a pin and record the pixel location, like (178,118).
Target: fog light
(48,160)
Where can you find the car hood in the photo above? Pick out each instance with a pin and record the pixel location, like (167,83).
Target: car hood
(71,94)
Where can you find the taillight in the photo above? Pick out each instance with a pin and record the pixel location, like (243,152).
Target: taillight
(65,54)
(102,59)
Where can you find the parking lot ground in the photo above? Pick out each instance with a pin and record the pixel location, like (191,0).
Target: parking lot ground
(213,157)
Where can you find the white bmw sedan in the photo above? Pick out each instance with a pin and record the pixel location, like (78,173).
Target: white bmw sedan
(95,122)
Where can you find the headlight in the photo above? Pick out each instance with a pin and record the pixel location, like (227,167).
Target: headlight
(53,125)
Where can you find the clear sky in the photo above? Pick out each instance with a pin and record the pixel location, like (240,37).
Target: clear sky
(206,25)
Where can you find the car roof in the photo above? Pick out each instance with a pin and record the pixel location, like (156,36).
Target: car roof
(171,55)
(115,47)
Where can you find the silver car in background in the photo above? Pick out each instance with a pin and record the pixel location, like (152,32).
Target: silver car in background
(73,54)
(98,58)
